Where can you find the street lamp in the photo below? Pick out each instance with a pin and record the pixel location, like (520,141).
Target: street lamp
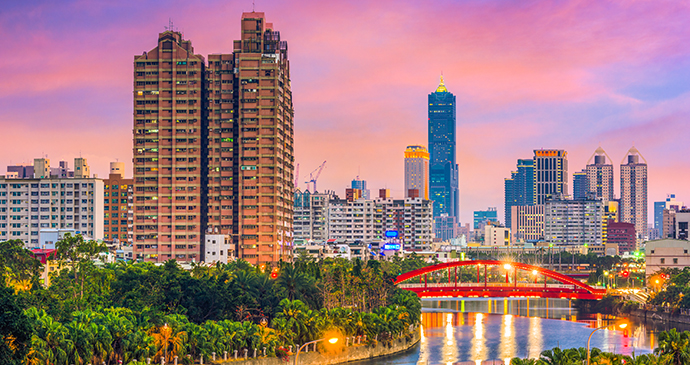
(333,340)
(620,325)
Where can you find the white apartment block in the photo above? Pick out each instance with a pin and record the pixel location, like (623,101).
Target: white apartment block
(411,217)
(310,216)
(29,205)
(351,220)
(573,222)
(496,236)
(219,248)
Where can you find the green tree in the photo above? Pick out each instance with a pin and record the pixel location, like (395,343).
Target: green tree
(674,346)
(15,330)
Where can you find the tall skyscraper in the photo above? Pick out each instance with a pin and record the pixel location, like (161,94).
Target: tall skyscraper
(443,168)
(580,185)
(550,174)
(634,191)
(168,134)
(417,172)
(600,175)
(519,188)
(213,151)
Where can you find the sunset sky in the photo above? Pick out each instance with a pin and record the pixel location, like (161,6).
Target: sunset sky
(527,74)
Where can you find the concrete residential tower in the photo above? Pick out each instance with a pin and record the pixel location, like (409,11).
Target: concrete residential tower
(634,192)
(417,172)
(600,175)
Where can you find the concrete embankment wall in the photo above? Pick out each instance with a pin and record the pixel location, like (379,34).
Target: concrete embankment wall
(347,354)
(650,315)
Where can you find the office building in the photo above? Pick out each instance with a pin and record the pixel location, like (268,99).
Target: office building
(481,217)
(29,205)
(443,168)
(118,206)
(528,223)
(600,175)
(519,188)
(681,226)
(362,186)
(213,147)
(417,172)
(669,203)
(446,228)
(573,222)
(550,174)
(634,192)
(580,185)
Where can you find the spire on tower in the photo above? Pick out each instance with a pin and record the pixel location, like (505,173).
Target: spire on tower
(441,87)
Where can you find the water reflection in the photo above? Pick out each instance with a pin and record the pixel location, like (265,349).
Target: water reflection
(472,331)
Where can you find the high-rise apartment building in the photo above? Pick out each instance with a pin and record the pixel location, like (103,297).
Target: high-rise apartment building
(573,222)
(213,147)
(417,172)
(443,168)
(550,174)
(580,185)
(519,188)
(169,130)
(310,215)
(600,175)
(634,192)
(118,205)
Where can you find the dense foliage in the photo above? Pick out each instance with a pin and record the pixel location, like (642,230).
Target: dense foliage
(107,313)
(672,288)
(673,349)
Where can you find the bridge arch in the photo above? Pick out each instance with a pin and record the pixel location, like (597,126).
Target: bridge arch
(578,290)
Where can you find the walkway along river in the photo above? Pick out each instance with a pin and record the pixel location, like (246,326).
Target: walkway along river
(475,330)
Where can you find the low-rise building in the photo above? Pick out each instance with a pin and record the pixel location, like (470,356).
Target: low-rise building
(218,248)
(666,253)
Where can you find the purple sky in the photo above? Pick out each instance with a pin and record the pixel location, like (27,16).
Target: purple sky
(527,74)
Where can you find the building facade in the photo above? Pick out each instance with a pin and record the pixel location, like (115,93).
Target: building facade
(580,185)
(669,203)
(443,167)
(168,131)
(550,174)
(213,147)
(622,234)
(29,205)
(362,186)
(118,204)
(634,192)
(666,253)
(528,223)
(600,175)
(519,188)
(417,172)
(573,222)
(484,216)
(310,219)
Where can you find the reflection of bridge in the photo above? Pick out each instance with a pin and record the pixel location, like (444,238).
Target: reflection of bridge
(532,281)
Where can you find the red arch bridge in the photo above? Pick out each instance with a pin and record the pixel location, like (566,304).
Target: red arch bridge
(521,280)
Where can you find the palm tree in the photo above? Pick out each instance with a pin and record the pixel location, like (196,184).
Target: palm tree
(292,281)
(674,345)
(555,356)
(519,361)
(169,341)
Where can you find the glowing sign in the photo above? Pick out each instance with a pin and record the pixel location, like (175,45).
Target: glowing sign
(392,234)
(391,246)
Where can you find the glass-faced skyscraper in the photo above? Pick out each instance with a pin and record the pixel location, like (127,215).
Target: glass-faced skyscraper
(519,188)
(443,168)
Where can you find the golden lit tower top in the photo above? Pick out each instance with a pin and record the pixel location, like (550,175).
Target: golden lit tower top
(441,87)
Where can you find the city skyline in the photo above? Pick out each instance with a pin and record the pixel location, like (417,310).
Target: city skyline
(522,83)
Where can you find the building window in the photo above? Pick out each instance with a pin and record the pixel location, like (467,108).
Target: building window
(663,261)
(675,261)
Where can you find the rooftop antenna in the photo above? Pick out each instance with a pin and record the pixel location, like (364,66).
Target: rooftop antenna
(253,6)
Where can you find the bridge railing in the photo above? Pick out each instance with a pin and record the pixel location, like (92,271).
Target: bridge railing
(492,285)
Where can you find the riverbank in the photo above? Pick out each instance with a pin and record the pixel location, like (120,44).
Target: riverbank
(345,355)
(658,314)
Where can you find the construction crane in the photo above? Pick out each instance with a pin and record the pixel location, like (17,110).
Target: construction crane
(313,178)
(296,175)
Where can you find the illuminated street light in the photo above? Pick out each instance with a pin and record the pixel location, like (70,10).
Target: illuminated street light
(332,340)
(620,325)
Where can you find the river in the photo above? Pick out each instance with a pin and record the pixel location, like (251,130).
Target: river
(471,331)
